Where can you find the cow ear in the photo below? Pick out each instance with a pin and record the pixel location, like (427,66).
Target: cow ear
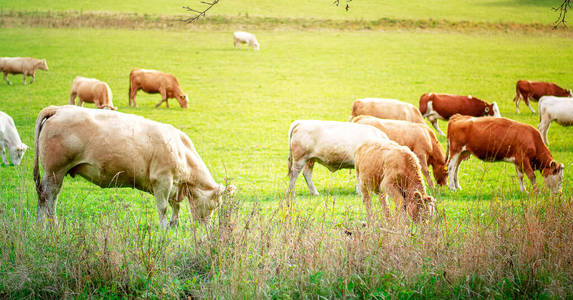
(486,110)
(553,164)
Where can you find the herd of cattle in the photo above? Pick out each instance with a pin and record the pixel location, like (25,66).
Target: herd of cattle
(387,142)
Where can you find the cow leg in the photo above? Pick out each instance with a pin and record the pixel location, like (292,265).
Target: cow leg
(80,102)
(463,156)
(3,152)
(396,194)
(163,98)
(132,93)
(6,78)
(520,178)
(517,100)
(425,171)
(175,206)
(367,202)
(530,174)
(307,173)
(383,197)
(161,190)
(543,129)
(297,166)
(434,122)
(72,98)
(33,78)
(453,167)
(529,105)
(47,200)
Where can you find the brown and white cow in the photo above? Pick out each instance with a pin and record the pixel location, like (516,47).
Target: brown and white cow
(113,149)
(384,167)
(501,139)
(442,106)
(527,89)
(26,66)
(386,109)
(153,82)
(558,109)
(330,143)
(91,91)
(419,138)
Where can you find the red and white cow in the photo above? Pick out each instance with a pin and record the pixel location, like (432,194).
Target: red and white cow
(501,139)
(442,106)
(527,89)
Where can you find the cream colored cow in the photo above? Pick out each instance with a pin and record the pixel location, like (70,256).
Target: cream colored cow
(26,66)
(91,90)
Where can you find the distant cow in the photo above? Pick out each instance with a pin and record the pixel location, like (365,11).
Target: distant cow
(558,109)
(419,138)
(331,144)
(386,109)
(10,139)
(91,91)
(112,149)
(26,66)
(241,37)
(153,82)
(384,167)
(442,106)
(526,89)
(500,139)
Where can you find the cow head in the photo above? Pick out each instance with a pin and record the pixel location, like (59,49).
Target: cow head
(183,101)
(553,175)
(256,45)
(421,206)
(16,153)
(43,65)
(204,202)
(441,175)
(492,110)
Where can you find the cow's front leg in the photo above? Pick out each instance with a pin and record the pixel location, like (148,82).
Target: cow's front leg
(161,190)
(307,173)
(529,105)
(530,174)
(33,78)
(520,178)
(6,78)
(3,151)
(383,198)
(25,76)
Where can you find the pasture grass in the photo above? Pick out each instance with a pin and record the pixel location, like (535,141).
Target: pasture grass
(492,11)
(489,241)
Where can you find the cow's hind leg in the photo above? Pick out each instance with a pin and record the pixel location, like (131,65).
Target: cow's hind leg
(307,173)
(48,197)
(543,129)
(297,166)
(132,93)
(453,167)
(434,122)
(25,76)
(3,152)
(517,100)
(6,78)
(529,104)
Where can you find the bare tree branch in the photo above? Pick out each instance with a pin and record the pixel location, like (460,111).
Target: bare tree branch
(196,14)
(565,5)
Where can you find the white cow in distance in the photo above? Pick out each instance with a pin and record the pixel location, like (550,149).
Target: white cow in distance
(26,66)
(10,139)
(558,109)
(242,37)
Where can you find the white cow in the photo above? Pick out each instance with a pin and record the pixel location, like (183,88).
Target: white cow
(558,109)
(242,37)
(330,143)
(113,149)
(26,66)
(10,139)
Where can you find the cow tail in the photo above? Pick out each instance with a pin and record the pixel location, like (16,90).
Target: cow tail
(45,114)
(424,103)
(290,158)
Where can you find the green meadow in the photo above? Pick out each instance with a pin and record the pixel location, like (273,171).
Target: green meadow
(489,240)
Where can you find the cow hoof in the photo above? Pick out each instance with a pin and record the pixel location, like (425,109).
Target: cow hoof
(314,194)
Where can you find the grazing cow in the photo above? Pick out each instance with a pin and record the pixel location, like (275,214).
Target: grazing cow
(419,138)
(113,149)
(558,109)
(92,91)
(383,166)
(153,82)
(386,109)
(442,106)
(331,144)
(10,139)
(526,89)
(241,37)
(501,139)
(26,66)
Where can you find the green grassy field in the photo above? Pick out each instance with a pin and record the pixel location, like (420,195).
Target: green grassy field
(512,11)
(241,105)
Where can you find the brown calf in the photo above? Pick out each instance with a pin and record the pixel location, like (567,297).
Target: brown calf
(419,138)
(91,91)
(501,139)
(386,167)
(153,82)
(386,109)
(526,89)
(442,106)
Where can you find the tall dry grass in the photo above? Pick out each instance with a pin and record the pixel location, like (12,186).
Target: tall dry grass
(513,250)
